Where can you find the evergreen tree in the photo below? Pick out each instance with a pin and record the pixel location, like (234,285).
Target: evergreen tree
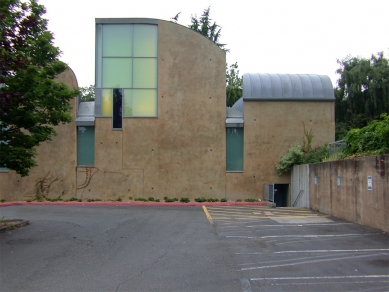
(212,31)
(208,29)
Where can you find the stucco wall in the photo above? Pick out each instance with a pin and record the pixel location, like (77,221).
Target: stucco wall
(181,153)
(56,159)
(353,201)
(270,128)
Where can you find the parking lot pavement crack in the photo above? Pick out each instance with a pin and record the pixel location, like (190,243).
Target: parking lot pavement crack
(146,269)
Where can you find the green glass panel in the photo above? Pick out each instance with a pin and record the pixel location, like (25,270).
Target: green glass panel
(145,40)
(234,151)
(140,103)
(117,40)
(106,102)
(86,146)
(145,73)
(117,72)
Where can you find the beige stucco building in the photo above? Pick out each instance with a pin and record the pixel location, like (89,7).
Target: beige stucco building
(159,125)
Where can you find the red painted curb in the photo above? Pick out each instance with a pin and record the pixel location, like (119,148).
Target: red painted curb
(176,204)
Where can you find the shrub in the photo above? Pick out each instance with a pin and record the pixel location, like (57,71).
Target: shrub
(140,199)
(200,200)
(239,200)
(151,199)
(212,200)
(372,139)
(250,200)
(223,200)
(296,155)
(184,200)
(168,200)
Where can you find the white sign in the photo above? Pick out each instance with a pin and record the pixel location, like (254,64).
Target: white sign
(369,183)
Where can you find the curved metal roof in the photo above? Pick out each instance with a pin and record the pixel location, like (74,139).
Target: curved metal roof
(299,87)
(238,105)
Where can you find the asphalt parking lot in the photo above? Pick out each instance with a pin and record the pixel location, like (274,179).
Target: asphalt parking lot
(287,249)
(214,248)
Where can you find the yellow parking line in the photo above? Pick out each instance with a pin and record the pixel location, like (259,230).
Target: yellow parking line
(208,215)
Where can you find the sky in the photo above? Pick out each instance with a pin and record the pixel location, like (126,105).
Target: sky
(263,36)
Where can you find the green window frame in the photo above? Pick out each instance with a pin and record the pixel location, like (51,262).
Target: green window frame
(234,149)
(85,146)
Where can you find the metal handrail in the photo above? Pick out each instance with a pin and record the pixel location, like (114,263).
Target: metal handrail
(298,197)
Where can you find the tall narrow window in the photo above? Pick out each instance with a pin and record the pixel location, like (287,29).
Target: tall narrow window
(117,108)
(85,146)
(234,151)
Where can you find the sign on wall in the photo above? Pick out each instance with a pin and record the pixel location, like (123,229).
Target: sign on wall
(369,183)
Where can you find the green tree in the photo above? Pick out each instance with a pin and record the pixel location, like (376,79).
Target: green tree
(31,102)
(204,26)
(87,93)
(362,92)
(234,83)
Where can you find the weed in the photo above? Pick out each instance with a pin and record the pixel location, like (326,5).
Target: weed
(151,199)
(72,199)
(80,200)
(239,200)
(130,198)
(157,200)
(119,199)
(165,198)
(2,200)
(201,199)
(54,199)
(91,200)
(184,200)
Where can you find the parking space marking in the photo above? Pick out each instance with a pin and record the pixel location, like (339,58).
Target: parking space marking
(208,215)
(321,277)
(310,262)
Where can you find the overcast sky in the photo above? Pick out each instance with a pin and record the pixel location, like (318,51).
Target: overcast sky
(272,36)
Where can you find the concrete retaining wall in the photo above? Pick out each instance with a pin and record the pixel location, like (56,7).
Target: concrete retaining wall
(300,183)
(342,189)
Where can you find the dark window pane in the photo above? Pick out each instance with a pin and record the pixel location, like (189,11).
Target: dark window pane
(117,108)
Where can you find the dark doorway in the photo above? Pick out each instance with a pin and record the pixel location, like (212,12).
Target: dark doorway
(281,195)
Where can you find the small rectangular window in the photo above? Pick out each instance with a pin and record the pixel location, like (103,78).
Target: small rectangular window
(234,151)
(117,40)
(106,102)
(117,108)
(140,103)
(117,72)
(85,146)
(145,40)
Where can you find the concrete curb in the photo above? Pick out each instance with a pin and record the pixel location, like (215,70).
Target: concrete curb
(175,204)
(18,223)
